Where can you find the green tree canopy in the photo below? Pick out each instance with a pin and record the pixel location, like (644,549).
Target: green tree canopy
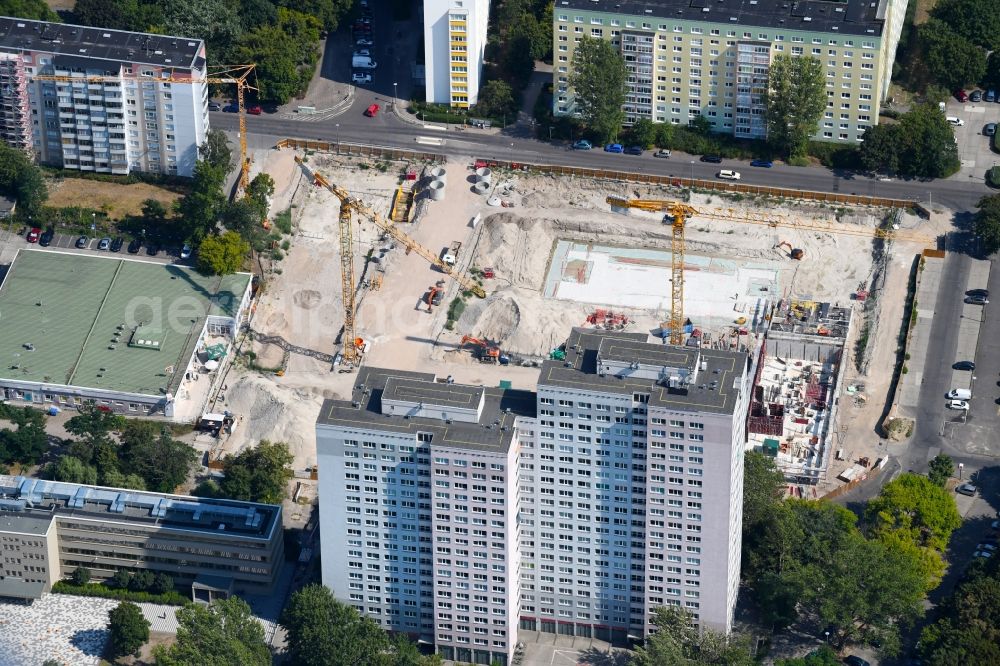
(21,178)
(823,656)
(128,628)
(976,21)
(951,59)
(986,223)
(921,143)
(940,469)
(216,150)
(967,629)
(35,10)
(795,99)
(322,631)
(258,474)
(222,255)
(73,470)
(223,634)
(28,442)
(200,208)
(130,15)
(147,450)
(495,99)
(642,133)
(599,79)
(677,642)
(915,507)
(285,53)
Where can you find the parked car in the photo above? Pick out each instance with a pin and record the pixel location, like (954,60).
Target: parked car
(634,150)
(961,405)
(116,244)
(989,129)
(987,546)
(955,120)
(728,174)
(662,153)
(82,242)
(714,159)
(582,144)
(976,300)
(362,52)
(361,78)
(232,107)
(34,235)
(991,95)
(614,148)
(364,41)
(976,96)
(186,251)
(46,238)
(964,365)
(152,249)
(372,110)
(214,106)
(255,110)
(767,164)
(104,245)
(966,489)
(985,293)
(984,554)
(961,96)
(135,246)
(855,660)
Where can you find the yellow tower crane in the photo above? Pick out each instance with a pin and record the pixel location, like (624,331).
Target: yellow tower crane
(347,205)
(235,74)
(679,213)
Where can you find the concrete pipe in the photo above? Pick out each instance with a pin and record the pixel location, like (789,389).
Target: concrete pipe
(436,189)
(481,187)
(484,173)
(438,173)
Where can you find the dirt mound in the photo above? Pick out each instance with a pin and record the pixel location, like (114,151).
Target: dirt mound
(496,319)
(517,248)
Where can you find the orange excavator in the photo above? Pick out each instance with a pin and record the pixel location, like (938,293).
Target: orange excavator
(489,352)
(434,296)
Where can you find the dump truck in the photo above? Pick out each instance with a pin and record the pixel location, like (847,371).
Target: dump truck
(450,254)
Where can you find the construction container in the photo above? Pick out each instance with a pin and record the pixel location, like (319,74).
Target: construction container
(436,189)
(481,187)
(439,173)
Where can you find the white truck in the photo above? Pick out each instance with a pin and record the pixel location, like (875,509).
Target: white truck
(363,62)
(450,254)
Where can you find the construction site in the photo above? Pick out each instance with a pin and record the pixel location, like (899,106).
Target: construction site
(478,272)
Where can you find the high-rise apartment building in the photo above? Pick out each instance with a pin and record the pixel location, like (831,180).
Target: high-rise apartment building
(454,43)
(691,58)
(460,514)
(132,120)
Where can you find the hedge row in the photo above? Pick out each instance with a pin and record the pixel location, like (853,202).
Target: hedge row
(100,590)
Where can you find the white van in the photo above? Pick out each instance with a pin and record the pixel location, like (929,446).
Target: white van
(960,394)
(729,174)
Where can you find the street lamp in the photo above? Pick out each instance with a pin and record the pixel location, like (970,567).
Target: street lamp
(550,133)
(692,175)
(961,467)
(337,125)
(827,636)
(395,95)
(510,158)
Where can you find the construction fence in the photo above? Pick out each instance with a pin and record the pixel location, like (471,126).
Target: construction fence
(357,150)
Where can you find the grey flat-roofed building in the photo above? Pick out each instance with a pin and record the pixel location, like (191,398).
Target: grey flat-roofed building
(57,527)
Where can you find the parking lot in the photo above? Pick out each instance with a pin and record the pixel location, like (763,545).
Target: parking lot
(11,242)
(973,146)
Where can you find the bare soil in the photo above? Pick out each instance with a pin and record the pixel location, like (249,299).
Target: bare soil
(120,200)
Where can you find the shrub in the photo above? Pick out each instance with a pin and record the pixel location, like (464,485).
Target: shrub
(99,590)
(993,177)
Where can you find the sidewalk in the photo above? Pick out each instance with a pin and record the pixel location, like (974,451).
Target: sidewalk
(928,285)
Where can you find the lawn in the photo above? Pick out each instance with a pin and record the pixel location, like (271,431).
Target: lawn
(117,200)
(923,11)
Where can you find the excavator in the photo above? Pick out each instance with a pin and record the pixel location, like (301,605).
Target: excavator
(434,295)
(793,252)
(489,352)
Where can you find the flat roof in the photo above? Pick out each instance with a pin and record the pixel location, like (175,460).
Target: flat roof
(849,17)
(713,389)
(41,500)
(493,432)
(412,389)
(106,322)
(86,43)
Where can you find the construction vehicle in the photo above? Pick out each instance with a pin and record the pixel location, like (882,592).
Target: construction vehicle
(450,254)
(348,204)
(793,252)
(677,214)
(235,74)
(489,352)
(435,294)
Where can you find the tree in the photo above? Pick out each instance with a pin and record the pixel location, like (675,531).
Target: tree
(795,99)
(322,631)
(246,217)
(495,99)
(222,255)
(141,581)
(915,507)
(940,469)
(261,189)
(258,474)
(763,487)
(878,151)
(115,479)
(162,583)
(992,77)
(80,576)
(986,223)
(216,150)
(952,60)
(823,656)
(20,177)
(677,642)
(599,79)
(967,628)
(201,207)
(664,135)
(328,12)
(976,21)
(121,579)
(147,450)
(923,143)
(223,634)
(285,53)
(28,443)
(73,470)
(643,132)
(128,628)
(118,14)
(36,10)
(94,428)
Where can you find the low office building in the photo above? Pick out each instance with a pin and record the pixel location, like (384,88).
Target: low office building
(128,335)
(692,58)
(461,514)
(130,119)
(455,34)
(48,529)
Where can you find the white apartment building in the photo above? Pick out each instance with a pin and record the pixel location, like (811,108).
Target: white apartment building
(129,120)
(693,58)
(461,514)
(454,43)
